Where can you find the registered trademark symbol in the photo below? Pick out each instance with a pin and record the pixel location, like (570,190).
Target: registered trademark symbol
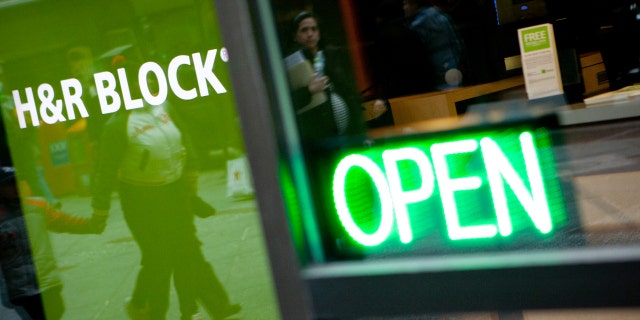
(224,54)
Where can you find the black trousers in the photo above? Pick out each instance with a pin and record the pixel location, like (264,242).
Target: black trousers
(163,227)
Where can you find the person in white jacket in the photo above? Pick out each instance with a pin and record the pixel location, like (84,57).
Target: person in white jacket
(147,156)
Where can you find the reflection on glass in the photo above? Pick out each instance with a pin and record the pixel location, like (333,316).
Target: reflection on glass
(400,61)
(325,99)
(440,41)
(147,154)
(28,262)
(584,163)
(128,107)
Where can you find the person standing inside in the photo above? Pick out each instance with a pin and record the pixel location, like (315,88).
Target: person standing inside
(400,65)
(443,46)
(341,112)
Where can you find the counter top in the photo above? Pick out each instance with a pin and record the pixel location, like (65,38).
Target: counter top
(579,114)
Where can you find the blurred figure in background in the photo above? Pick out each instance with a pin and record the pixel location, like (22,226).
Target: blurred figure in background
(400,55)
(25,148)
(81,67)
(26,257)
(443,45)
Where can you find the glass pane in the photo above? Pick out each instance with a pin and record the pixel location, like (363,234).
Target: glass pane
(409,154)
(130,164)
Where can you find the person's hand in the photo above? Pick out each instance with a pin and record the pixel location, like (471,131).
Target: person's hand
(201,208)
(379,107)
(318,84)
(98,222)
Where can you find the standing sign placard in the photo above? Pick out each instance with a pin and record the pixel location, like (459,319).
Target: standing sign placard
(540,64)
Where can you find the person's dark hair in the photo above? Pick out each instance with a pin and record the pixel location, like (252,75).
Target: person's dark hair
(295,23)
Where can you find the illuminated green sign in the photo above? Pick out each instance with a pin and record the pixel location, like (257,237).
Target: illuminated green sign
(484,185)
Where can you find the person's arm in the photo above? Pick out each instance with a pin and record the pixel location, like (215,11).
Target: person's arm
(111,149)
(302,96)
(60,222)
(192,161)
(191,169)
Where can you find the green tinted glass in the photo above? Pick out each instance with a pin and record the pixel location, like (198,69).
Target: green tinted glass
(133,180)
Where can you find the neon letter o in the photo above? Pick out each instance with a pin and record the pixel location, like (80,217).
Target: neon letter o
(153,98)
(339,197)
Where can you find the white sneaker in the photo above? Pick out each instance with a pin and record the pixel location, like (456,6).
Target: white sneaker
(197,316)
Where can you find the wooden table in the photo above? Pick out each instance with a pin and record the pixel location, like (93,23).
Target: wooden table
(442,104)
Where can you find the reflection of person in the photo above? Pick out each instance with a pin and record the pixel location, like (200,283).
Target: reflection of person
(148,155)
(341,113)
(80,63)
(23,253)
(440,38)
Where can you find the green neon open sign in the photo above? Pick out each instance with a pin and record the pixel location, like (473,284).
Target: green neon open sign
(484,185)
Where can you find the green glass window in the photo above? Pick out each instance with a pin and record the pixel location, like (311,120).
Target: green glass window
(135,195)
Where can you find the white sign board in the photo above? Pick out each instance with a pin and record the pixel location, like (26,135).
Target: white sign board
(540,64)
